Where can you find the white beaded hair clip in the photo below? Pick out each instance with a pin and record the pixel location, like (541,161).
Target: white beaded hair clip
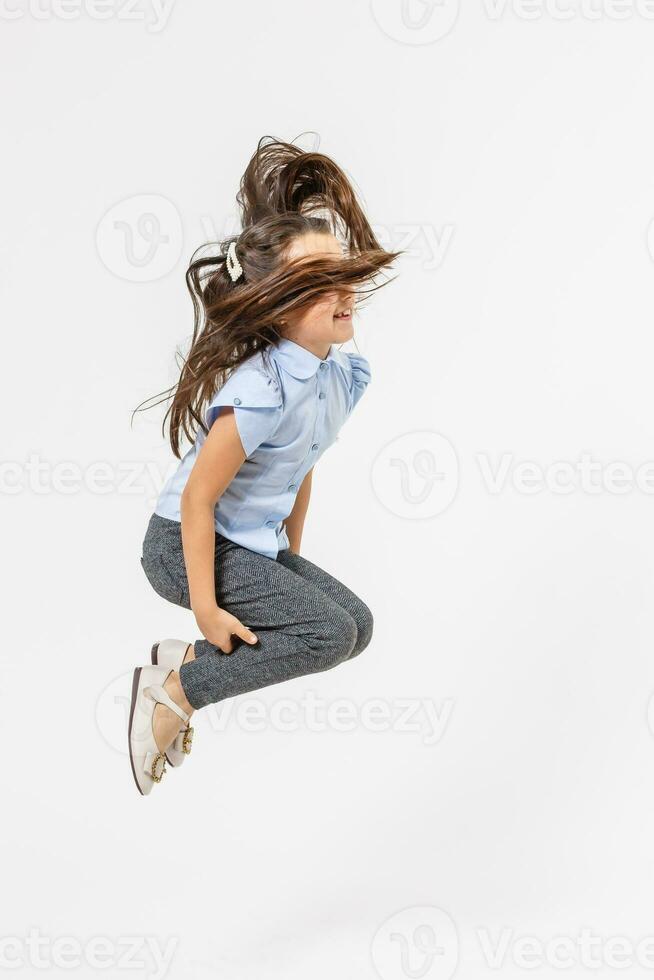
(233,265)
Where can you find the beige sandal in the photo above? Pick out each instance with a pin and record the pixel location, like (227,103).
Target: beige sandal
(148,763)
(170,654)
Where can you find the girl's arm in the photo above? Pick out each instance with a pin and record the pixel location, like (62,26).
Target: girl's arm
(218,462)
(295,521)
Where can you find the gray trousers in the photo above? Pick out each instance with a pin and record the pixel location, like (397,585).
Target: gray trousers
(305,620)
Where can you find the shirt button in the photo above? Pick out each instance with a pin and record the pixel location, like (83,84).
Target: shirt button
(314,447)
(237,401)
(322,365)
(322,395)
(293,487)
(270,523)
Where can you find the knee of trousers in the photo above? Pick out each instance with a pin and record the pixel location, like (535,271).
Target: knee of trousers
(337,640)
(365,624)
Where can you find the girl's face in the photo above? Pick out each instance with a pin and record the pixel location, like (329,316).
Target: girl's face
(329,321)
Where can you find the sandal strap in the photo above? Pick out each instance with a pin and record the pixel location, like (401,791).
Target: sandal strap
(157,693)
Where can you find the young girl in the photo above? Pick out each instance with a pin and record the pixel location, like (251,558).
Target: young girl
(262,394)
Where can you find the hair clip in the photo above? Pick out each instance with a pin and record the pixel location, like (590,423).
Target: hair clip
(233,265)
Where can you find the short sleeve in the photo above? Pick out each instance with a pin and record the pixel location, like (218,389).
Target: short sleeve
(257,402)
(360,377)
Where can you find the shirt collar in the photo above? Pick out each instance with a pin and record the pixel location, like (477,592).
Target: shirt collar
(297,360)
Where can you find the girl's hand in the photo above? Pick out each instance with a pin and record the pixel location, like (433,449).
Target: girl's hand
(218,626)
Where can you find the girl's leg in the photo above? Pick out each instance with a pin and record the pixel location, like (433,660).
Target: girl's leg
(165,723)
(301,630)
(345,598)
(162,561)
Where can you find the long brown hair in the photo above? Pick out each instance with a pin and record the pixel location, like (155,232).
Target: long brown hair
(284,193)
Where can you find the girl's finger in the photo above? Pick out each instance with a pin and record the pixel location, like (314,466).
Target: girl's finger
(244,633)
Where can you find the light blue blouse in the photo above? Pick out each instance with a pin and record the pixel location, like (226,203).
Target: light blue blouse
(289,405)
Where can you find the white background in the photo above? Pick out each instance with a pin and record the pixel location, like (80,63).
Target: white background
(524,145)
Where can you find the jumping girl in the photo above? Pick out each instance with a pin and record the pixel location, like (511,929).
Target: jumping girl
(262,393)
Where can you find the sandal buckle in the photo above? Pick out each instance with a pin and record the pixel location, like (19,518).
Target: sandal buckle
(158,767)
(187,741)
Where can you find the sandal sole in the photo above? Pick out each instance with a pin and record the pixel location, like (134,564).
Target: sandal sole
(135,688)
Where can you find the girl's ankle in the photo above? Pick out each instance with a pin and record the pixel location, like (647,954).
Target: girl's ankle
(174,688)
